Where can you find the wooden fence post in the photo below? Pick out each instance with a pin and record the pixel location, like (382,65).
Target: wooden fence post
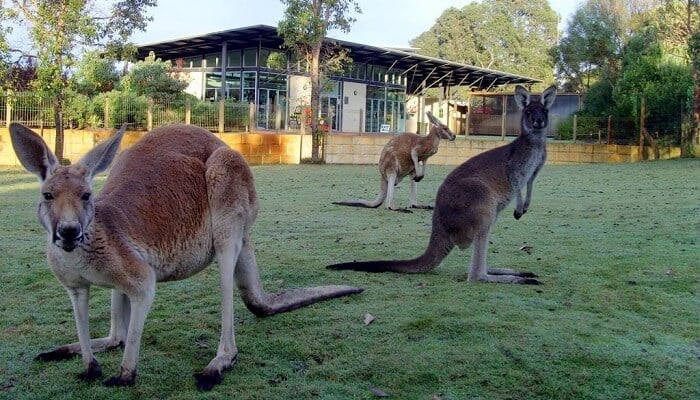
(8,109)
(222,114)
(609,129)
(504,104)
(188,111)
(574,128)
(106,111)
(149,115)
(642,110)
(251,117)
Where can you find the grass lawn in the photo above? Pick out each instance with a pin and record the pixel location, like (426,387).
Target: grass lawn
(618,316)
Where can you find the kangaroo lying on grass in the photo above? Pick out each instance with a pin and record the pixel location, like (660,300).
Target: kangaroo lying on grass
(173,202)
(472,195)
(405,155)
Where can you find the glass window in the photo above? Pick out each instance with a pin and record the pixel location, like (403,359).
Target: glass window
(233,85)
(233,59)
(249,59)
(212,60)
(212,88)
(192,62)
(249,86)
(273,81)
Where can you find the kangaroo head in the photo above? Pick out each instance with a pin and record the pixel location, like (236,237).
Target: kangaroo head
(66,206)
(440,129)
(535,112)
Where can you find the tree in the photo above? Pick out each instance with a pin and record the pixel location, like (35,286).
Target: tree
(508,35)
(591,47)
(153,78)
(304,28)
(95,74)
(682,27)
(59,29)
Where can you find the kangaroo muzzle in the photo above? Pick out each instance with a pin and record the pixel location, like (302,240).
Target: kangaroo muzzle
(68,235)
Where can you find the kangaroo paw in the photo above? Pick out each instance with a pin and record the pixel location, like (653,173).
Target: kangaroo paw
(418,178)
(422,206)
(517,214)
(403,210)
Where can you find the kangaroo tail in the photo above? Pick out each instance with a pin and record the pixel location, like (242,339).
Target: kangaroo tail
(275,303)
(438,248)
(359,203)
(366,203)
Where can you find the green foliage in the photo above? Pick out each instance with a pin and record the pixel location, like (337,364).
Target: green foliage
(591,47)
(95,74)
(616,317)
(82,111)
(586,127)
(598,100)
(507,35)
(153,78)
(303,28)
(127,107)
(60,29)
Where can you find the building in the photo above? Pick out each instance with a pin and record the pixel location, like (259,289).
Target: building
(371,95)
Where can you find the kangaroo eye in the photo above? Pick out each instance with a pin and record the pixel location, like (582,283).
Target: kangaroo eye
(47,196)
(85,197)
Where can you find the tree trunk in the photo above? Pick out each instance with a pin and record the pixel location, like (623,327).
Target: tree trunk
(695,123)
(58,116)
(316,132)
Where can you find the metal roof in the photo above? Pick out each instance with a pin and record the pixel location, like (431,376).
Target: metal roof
(421,72)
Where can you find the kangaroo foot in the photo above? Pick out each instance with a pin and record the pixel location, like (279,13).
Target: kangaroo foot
(126,378)
(211,376)
(422,206)
(92,373)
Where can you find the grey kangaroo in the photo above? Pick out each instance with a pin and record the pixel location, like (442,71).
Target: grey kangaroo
(470,198)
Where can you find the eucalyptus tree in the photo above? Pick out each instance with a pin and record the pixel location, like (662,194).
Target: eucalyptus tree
(509,35)
(304,28)
(682,28)
(61,29)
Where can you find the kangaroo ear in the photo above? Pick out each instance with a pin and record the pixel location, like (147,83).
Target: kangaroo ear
(101,156)
(548,96)
(522,97)
(32,152)
(434,121)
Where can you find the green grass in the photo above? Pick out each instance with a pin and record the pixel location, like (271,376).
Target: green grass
(617,316)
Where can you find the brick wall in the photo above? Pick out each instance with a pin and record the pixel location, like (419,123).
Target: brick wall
(345,148)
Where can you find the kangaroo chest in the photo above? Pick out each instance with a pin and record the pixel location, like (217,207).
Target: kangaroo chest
(524,163)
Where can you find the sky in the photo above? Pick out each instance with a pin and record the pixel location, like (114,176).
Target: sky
(391,23)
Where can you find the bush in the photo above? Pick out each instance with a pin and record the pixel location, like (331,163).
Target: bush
(585,126)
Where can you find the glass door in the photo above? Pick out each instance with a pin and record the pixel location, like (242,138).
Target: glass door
(272,109)
(329,113)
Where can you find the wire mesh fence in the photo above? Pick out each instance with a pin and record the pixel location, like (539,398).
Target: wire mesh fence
(489,115)
(116,108)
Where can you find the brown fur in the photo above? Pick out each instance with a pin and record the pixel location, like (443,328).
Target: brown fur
(174,202)
(470,198)
(405,155)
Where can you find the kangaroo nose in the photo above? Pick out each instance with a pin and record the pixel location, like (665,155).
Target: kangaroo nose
(70,232)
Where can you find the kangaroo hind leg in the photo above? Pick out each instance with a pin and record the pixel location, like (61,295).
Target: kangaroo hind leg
(479,271)
(233,207)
